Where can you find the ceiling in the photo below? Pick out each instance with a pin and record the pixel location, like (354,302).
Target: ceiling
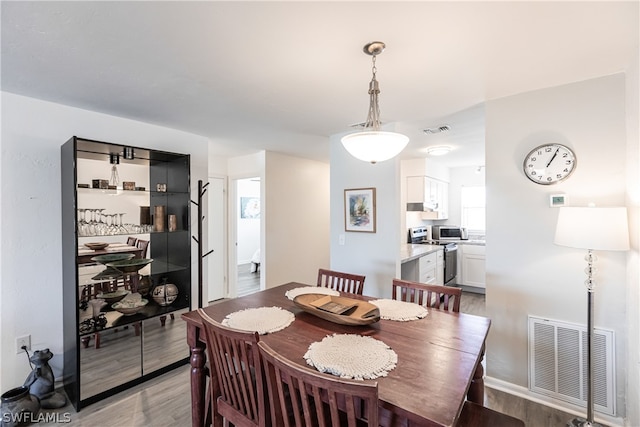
(283,76)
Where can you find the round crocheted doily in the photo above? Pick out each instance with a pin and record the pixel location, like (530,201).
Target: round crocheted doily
(262,320)
(352,356)
(399,310)
(292,293)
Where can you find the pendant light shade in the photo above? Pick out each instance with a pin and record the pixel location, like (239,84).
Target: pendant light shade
(372,144)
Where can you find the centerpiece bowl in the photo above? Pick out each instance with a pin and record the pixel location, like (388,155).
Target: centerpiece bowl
(130,307)
(129,266)
(107,258)
(96,246)
(113,297)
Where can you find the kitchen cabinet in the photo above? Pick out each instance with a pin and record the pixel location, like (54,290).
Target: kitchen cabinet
(427,268)
(110,351)
(472,265)
(432,195)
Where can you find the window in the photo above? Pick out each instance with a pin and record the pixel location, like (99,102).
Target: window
(473,203)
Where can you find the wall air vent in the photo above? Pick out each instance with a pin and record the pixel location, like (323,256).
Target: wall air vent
(439,129)
(558,363)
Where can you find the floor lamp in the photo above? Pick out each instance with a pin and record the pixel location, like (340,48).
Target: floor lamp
(591,228)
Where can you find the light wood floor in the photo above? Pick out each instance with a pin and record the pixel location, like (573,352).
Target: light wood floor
(248,282)
(166,400)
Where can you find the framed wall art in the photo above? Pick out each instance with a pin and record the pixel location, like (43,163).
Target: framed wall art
(360,210)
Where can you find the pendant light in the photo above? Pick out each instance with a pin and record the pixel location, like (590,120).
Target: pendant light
(372,144)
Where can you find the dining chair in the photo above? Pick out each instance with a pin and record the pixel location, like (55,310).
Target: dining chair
(434,296)
(131,241)
(238,390)
(302,397)
(144,245)
(342,282)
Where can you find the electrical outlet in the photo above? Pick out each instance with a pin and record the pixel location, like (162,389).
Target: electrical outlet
(23,341)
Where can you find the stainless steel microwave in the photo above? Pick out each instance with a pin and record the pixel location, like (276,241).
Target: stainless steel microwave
(448,232)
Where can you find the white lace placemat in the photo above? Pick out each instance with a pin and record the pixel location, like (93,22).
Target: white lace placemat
(352,356)
(292,293)
(399,310)
(262,320)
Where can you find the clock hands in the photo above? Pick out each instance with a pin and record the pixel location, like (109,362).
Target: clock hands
(554,156)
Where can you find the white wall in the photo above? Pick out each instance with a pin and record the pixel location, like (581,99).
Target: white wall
(296,219)
(31,274)
(374,255)
(526,272)
(633,257)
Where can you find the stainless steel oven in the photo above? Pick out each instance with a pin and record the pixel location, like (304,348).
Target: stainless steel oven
(420,235)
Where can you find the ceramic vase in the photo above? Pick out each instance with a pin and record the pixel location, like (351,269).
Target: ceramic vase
(165,294)
(144,284)
(18,407)
(96,306)
(159,218)
(173,223)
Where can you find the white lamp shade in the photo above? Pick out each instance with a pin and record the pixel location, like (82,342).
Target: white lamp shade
(374,146)
(604,229)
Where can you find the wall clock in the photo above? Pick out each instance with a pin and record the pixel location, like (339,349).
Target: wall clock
(549,164)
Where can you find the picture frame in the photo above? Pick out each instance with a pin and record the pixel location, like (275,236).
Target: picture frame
(360,210)
(249,207)
(557,200)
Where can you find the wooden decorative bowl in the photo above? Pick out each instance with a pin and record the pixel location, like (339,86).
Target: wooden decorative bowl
(342,310)
(96,246)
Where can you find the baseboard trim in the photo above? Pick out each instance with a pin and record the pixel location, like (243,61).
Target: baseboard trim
(525,393)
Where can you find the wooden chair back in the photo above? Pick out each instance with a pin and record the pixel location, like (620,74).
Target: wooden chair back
(342,282)
(434,296)
(238,388)
(303,397)
(144,245)
(131,241)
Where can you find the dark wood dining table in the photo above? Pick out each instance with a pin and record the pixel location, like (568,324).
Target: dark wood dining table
(439,356)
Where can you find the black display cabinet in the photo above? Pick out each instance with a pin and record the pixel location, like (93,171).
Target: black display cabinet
(113,351)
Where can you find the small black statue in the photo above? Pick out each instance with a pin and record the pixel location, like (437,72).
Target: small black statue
(41,381)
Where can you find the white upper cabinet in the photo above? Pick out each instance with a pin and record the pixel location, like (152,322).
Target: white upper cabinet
(429,195)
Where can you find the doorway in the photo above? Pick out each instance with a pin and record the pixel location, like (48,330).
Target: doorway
(248,255)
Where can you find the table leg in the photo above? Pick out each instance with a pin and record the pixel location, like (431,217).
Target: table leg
(476,389)
(198,384)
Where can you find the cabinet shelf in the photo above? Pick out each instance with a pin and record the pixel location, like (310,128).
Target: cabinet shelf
(116,319)
(132,233)
(121,192)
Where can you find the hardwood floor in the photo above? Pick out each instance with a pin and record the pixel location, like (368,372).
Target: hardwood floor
(248,282)
(166,401)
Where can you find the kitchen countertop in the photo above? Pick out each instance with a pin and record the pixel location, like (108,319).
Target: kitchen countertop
(409,252)
(477,242)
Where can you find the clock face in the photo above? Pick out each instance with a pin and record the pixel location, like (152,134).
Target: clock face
(549,164)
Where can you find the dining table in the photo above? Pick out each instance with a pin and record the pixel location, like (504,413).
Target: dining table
(438,357)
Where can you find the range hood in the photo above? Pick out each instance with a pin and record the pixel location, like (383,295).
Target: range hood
(422,207)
